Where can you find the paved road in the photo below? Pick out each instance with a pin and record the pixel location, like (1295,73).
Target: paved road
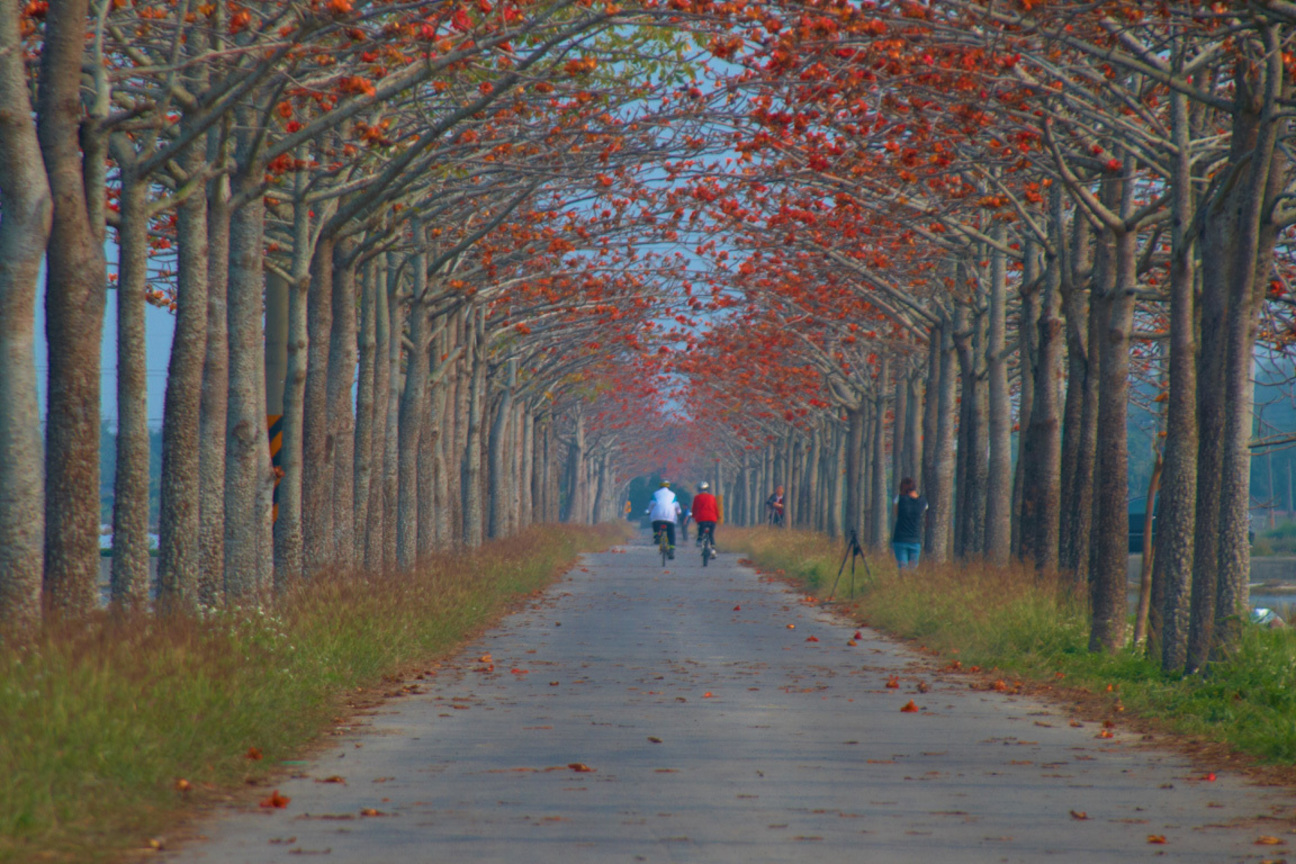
(714,731)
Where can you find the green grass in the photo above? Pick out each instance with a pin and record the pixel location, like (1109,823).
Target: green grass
(1020,626)
(98,723)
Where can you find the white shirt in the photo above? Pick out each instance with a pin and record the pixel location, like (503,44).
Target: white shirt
(664,507)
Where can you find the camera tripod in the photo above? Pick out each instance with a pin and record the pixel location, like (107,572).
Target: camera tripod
(853,551)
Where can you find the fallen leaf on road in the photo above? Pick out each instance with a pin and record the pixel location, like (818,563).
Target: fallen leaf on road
(276,800)
(812,638)
(1106,733)
(707,695)
(156,843)
(580,767)
(369,811)
(485,658)
(1079,814)
(859,635)
(922,687)
(332,779)
(1077,724)
(1267,840)
(520,671)
(909,707)
(851,643)
(893,683)
(791,627)
(553,683)
(1210,778)
(253,753)
(738,608)
(1156,838)
(654,739)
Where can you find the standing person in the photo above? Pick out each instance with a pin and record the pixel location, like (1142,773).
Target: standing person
(906,540)
(683,523)
(706,513)
(663,512)
(774,507)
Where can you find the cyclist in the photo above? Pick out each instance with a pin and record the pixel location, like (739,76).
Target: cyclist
(706,513)
(774,507)
(663,511)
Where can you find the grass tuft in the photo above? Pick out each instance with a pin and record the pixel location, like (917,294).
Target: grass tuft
(1008,619)
(101,720)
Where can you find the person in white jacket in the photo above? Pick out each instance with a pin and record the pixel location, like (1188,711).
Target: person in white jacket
(663,512)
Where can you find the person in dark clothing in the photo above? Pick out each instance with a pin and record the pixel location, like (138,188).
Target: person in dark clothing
(906,540)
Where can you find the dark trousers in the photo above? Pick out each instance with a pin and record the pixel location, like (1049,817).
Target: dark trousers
(670,532)
(706,528)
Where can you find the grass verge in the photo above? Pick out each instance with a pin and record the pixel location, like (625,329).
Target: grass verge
(1009,622)
(111,731)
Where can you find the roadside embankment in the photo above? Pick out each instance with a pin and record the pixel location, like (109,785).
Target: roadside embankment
(1012,625)
(112,729)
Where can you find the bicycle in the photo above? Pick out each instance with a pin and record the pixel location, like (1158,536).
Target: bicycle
(708,547)
(663,543)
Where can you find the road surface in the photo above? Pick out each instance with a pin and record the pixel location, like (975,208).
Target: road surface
(642,714)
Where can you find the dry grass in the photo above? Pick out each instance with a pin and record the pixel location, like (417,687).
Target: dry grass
(101,721)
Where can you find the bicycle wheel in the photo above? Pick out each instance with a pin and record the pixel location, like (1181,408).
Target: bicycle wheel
(706,551)
(665,548)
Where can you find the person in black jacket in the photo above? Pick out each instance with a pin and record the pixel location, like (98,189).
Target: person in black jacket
(906,540)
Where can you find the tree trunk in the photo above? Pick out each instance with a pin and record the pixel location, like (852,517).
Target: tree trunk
(899,432)
(366,399)
(1077,426)
(1114,307)
(526,485)
(318,445)
(498,489)
(75,275)
(1142,610)
(24,231)
(854,469)
(411,428)
(941,501)
(130,561)
(1027,365)
(1041,454)
(1256,122)
(930,407)
(1173,566)
(473,510)
(998,498)
(247,451)
(341,417)
(179,526)
(215,399)
(288,528)
(391,445)
(880,535)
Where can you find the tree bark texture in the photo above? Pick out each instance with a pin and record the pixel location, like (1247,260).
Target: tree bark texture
(75,280)
(28,207)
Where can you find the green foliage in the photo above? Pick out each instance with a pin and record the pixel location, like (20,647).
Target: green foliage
(101,721)
(1010,621)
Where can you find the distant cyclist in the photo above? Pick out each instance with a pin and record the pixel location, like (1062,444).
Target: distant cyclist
(663,512)
(706,513)
(774,507)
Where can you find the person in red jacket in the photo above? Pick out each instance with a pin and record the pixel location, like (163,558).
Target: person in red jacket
(706,513)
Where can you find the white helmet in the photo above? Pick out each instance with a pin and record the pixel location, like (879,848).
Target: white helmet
(703,486)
